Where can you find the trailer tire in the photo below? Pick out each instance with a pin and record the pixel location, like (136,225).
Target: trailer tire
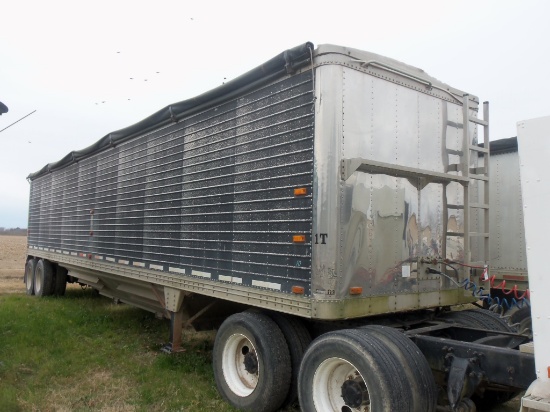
(520,319)
(60,282)
(251,362)
(29,276)
(43,278)
(479,318)
(418,371)
(342,369)
(518,314)
(297,339)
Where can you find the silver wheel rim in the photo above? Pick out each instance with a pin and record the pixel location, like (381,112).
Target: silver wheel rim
(37,281)
(29,279)
(238,379)
(329,377)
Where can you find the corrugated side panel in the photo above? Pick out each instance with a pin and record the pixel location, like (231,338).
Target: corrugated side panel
(211,196)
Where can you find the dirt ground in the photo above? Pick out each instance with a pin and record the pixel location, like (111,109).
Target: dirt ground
(13,250)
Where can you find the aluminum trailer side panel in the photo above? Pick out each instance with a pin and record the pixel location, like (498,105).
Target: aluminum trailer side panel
(211,197)
(534,149)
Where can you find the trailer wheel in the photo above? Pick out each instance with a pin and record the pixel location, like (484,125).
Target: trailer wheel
(251,362)
(60,281)
(350,370)
(29,276)
(297,339)
(43,278)
(479,318)
(418,371)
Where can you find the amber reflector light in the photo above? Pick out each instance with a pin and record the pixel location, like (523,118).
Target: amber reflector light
(299,290)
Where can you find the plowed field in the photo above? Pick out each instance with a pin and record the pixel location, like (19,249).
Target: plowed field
(12,264)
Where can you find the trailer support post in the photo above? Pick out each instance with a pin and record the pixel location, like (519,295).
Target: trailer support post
(173,299)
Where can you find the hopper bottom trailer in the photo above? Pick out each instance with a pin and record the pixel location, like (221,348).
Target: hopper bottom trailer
(323,212)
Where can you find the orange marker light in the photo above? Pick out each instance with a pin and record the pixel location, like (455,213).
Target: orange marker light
(549,372)
(299,238)
(300,191)
(355,290)
(299,290)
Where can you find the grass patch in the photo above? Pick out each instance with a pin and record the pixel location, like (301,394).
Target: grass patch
(82,352)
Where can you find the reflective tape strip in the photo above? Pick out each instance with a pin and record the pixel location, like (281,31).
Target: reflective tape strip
(139,264)
(230,279)
(156,267)
(123,262)
(98,257)
(176,270)
(269,285)
(201,274)
(110,259)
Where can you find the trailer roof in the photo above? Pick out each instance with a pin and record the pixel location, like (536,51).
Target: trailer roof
(284,63)
(391,70)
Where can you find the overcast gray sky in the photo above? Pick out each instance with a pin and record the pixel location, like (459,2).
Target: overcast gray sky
(72,61)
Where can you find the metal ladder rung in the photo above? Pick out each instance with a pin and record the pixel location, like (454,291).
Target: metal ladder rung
(479,177)
(479,206)
(454,168)
(477,170)
(478,121)
(455,207)
(458,234)
(454,124)
(455,152)
(478,234)
(479,149)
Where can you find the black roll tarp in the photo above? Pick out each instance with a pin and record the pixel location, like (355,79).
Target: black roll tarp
(284,63)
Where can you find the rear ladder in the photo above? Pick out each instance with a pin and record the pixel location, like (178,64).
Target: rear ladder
(477,172)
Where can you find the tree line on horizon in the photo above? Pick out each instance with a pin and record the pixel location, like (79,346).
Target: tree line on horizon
(13,231)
